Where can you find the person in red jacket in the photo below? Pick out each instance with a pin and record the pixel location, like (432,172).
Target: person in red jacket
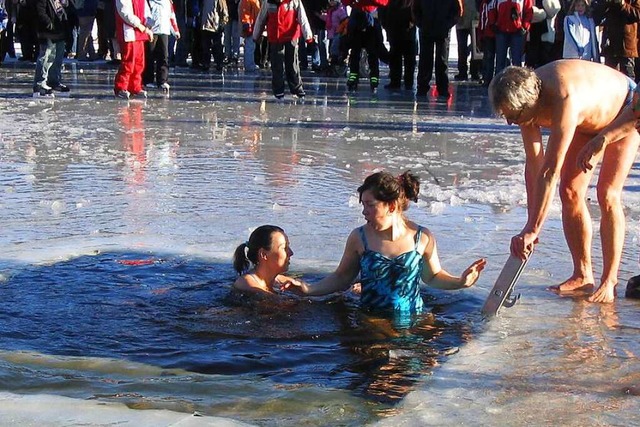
(511,20)
(363,33)
(132,34)
(285,21)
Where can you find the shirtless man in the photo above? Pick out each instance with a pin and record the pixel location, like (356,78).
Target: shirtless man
(575,100)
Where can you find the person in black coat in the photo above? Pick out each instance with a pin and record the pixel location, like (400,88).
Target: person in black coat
(25,13)
(619,20)
(397,19)
(435,18)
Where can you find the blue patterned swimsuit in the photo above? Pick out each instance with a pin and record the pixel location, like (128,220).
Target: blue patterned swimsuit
(391,283)
(633,87)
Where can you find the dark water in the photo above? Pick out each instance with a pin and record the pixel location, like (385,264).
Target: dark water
(179,313)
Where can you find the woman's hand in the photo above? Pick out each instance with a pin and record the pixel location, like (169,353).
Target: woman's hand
(470,276)
(292,285)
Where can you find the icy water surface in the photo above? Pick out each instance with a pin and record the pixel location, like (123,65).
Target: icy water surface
(119,220)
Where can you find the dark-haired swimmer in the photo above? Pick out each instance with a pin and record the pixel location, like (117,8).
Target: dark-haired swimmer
(391,253)
(268,251)
(575,100)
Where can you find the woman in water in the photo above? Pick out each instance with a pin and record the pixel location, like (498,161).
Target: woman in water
(269,253)
(391,253)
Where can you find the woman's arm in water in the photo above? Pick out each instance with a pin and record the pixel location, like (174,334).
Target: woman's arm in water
(340,280)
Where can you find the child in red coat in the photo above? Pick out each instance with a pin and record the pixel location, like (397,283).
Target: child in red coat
(132,34)
(285,20)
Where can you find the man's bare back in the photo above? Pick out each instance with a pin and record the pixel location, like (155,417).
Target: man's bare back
(592,92)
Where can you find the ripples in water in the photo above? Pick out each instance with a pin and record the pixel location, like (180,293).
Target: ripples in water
(129,315)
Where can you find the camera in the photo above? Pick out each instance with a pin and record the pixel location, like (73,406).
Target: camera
(515,16)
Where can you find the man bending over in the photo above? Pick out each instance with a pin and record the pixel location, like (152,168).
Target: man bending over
(575,100)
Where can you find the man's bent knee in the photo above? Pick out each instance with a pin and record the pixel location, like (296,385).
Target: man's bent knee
(569,195)
(609,199)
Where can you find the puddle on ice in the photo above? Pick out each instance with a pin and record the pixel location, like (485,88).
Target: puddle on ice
(186,178)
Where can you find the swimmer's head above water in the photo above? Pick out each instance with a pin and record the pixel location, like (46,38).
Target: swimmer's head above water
(268,253)
(267,243)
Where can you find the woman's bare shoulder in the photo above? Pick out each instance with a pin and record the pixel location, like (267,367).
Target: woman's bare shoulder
(355,237)
(427,241)
(414,227)
(244,283)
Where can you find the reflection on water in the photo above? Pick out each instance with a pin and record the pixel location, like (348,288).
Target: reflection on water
(168,317)
(546,361)
(133,141)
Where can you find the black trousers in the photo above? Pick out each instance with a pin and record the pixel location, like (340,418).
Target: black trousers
(261,53)
(429,46)
(157,60)
(623,64)
(538,54)
(368,40)
(211,43)
(183,46)
(28,41)
(285,65)
(464,39)
(402,52)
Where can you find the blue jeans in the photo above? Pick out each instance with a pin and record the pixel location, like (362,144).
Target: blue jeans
(231,40)
(49,64)
(318,51)
(513,42)
(249,54)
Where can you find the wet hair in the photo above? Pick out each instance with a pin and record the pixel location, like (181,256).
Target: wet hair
(514,87)
(247,253)
(388,188)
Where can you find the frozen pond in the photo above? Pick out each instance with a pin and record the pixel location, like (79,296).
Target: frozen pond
(119,220)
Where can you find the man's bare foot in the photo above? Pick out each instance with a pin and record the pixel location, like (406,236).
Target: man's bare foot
(573,286)
(606,293)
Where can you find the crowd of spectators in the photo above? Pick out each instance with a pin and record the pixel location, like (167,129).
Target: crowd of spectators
(349,38)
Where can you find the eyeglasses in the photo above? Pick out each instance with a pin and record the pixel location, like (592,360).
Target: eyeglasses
(515,119)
